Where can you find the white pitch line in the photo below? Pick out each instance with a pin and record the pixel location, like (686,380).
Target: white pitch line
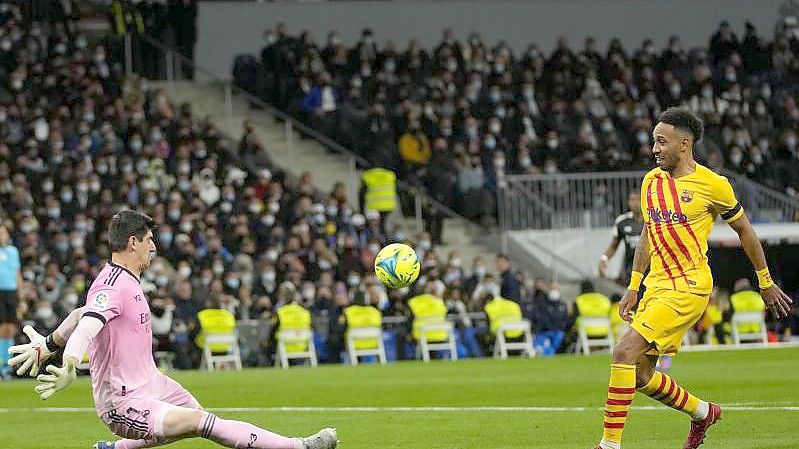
(733,407)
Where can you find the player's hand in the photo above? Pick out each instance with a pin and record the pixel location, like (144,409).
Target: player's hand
(603,268)
(626,305)
(57,380)
(32,355)
(777,301)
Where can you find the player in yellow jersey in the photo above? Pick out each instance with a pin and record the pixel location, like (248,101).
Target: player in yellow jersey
(680,200)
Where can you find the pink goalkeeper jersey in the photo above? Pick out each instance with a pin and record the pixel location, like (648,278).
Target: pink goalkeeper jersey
(121,355)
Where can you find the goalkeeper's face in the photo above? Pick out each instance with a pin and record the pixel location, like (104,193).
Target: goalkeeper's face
(144,250)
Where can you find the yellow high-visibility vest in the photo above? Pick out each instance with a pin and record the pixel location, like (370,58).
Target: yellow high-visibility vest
(499,311)
(748,301)
(215,321)
(381,189)
(363,316)
(428,309)
(594,305)
(294,317)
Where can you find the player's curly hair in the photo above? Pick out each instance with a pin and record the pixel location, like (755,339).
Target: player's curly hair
(683,118)
(125,224)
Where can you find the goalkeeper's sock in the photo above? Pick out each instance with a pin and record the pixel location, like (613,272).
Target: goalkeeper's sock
(621,390)
(138,444)
(664,389)
(5,344)
(238,434)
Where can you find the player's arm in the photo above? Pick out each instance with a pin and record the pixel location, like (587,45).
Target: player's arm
(772,294)
(31,356)
(640,264)
(609,252)
(59,378)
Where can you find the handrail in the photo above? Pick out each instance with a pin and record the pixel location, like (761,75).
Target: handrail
(760,188)
(413,190)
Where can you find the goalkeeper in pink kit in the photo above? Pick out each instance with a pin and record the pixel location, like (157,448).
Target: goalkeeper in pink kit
(132,397)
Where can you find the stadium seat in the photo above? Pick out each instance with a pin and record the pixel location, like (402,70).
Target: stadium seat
(748,327)
(589,335)
(502,346)
(427,346)
(295,344)
(365,341)
(218,339)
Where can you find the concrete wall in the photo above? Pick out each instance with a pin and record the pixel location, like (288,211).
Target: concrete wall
(229,28)
(583,247)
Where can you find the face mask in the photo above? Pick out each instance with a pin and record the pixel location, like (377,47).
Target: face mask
(736,158)
(499,163)
(675,90)
(44,313)
(456,262)
(308,294)
(218,269)
(552,143)
(161,280)
(165,238)
(490,143)
(81,226)
(184,186)
(54,212)
(41,130)
(16,84)
(492,288)
(271,255)
(643,137)
(374,248)
(62,247)
(480,271)
(553,295)
(332,211)
(70,300)
(268,277)
(226,207)
(268,220)
(185,227)
(424,244)
(353,281)
(790,141)
(47,187)
(184,272)
(495,127)
(274,208)
(324,265)
(173,214)
(136,145)
(232,283)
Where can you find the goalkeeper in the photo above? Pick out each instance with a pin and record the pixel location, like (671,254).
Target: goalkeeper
(134,399)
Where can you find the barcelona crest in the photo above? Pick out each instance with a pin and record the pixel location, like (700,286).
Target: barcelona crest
(686,196)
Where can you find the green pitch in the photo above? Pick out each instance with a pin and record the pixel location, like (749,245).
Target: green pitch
(476,401)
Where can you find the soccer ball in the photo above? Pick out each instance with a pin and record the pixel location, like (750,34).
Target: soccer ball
(397,265)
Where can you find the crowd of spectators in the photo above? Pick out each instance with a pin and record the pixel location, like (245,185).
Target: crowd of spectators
(459,117)
(79,142)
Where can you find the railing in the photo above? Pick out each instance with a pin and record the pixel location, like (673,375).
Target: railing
(171,70)
(572,200)
(588,200)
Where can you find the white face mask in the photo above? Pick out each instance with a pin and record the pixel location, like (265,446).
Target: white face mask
(184,272)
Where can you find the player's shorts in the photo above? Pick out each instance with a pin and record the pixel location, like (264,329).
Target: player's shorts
(139,415)
(664,316)
(8,306)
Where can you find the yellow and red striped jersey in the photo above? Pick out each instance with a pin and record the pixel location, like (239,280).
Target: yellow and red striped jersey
(679,214)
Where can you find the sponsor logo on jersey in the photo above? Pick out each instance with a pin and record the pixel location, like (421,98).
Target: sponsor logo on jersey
(666,216)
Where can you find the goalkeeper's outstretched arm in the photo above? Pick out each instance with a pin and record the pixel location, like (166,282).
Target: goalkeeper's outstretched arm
(59,378)
(32,355)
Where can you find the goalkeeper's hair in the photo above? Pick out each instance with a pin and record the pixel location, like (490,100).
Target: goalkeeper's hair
(125,224)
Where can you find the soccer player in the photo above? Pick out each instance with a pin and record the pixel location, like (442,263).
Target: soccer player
(132,397)
(680,200)
(627,229)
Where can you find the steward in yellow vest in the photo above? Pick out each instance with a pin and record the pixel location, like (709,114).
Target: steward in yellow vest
(428,309)
(380,187)
(747,300)
(592,304)
(362,314)
(499,311)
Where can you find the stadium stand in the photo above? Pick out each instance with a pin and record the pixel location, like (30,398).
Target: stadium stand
(80,141)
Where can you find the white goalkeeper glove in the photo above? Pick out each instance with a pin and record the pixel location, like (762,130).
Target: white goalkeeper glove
(31,355)
(57,380)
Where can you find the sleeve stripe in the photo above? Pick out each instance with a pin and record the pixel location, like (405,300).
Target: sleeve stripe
(96,315)
(732,212)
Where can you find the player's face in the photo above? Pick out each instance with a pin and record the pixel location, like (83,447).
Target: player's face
(634,201)
(144,249)
(670,146)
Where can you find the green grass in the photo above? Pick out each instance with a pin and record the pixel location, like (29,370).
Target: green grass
(753,379)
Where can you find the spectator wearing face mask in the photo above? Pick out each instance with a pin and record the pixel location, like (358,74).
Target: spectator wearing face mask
(550,320)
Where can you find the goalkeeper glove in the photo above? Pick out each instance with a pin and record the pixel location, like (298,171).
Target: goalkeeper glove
(57,380)
(32,355)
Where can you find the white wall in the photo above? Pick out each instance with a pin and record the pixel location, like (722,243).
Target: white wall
(583,247)
(228,28)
